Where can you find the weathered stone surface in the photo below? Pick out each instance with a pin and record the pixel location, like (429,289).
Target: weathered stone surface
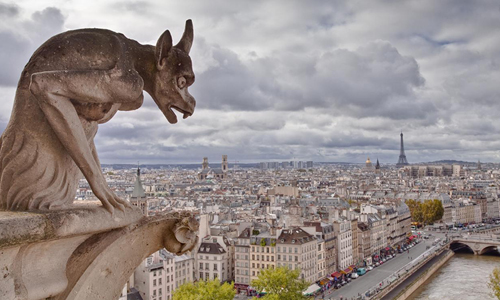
(82,253)
(73,82)
(28,227)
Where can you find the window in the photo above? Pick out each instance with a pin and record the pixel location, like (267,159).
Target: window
(201,266)
(154,282)
(159,281)
(215,267)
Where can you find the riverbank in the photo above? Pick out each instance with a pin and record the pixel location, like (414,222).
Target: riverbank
(409,285)
(464,277)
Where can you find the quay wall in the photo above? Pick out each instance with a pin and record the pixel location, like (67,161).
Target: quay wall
(412,287)
(407,284)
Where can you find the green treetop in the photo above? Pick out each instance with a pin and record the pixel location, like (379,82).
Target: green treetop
(205,290)
(427,212)
(280,284)
(494,283)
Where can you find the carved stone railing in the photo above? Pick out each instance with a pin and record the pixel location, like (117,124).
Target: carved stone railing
(83,253)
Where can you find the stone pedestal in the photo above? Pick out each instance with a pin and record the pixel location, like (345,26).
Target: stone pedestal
(84,252)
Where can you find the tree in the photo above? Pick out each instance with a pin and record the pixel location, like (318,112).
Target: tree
(280,284)
(415,210)
(205,290)
(494,283)
(432,211)
(427,212)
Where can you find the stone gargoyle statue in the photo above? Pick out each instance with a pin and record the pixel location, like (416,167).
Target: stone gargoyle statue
(73,82)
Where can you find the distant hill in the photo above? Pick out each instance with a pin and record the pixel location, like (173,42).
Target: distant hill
(450,161)
(173,166)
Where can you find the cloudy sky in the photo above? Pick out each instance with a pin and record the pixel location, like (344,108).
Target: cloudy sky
(304,80)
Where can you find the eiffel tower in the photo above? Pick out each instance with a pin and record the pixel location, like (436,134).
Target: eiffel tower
(402,157)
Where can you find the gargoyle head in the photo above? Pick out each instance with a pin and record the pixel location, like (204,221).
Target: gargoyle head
(174,74)
(183,237)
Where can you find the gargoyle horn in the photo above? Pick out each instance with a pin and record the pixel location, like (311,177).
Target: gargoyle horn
(187,38)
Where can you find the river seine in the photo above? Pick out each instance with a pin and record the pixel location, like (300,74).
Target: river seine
(464,277)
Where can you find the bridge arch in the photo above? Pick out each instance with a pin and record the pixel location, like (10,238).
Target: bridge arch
(488,249)
(461,247)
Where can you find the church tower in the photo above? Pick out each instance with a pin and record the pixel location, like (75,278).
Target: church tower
(224,163)
(138,197)
(204,165)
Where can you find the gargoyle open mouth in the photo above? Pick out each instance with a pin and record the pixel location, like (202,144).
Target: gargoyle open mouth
(172,118)
(182,111)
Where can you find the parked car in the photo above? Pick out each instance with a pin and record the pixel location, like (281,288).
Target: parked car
(377,264)
(360,272)
(354,275)
(369,268)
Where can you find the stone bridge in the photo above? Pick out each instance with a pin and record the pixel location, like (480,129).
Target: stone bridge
(478,245)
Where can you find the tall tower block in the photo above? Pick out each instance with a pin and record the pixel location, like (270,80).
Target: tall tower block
(204,165)
(224,163)
(402,157)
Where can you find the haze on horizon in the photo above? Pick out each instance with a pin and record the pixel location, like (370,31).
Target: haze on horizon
(286,80)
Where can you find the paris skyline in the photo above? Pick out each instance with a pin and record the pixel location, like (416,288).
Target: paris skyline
(276,80)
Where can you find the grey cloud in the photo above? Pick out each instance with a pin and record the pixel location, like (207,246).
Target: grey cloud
(373,80)
(22,37)
(8,10)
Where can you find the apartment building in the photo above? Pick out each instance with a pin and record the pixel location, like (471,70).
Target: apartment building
(155,278)
(242,260)
(364,244)
(343,231)
(297,249)
(326,233)
(355,241)
(212,262)
(262,253)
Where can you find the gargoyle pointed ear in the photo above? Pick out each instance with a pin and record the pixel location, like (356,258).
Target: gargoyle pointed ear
(187,38)
(163,46)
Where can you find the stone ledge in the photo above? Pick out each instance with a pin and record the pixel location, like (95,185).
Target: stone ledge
(85,252)
(18,228)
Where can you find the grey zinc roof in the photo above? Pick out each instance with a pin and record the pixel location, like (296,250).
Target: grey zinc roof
(138,189)
(211,248)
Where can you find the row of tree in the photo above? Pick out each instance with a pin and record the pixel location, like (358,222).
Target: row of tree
(277,284)
(426,212)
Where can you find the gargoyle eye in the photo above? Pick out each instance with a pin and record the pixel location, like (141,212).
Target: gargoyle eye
(181,82)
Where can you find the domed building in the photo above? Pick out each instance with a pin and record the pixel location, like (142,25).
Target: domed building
(368,166)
